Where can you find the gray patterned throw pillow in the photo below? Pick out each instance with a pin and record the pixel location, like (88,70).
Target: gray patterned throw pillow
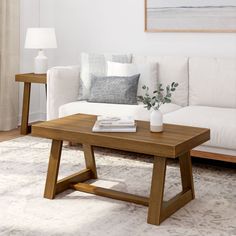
(114,89)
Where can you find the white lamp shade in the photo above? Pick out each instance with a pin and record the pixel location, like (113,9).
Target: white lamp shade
(40,38)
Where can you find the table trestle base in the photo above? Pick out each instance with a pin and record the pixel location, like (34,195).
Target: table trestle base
(158,209)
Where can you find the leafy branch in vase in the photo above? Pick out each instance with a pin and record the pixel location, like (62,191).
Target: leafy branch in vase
(158,97)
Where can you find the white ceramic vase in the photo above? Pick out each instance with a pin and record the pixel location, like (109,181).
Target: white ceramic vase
(156,121)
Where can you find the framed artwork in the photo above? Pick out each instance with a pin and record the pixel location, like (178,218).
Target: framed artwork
(190,15)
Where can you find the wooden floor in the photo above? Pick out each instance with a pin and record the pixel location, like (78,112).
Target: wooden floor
(8,135)
(15,133)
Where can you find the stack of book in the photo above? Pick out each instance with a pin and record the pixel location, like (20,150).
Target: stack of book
(114,124)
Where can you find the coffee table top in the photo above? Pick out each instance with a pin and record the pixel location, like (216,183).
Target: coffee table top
(174,141)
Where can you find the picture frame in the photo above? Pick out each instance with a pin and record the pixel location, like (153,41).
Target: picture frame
(209,16)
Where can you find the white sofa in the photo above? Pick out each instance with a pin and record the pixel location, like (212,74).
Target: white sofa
(206,97)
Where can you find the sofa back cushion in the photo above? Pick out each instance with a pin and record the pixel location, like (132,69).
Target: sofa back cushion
(170,69)
(96,64)
(212,82)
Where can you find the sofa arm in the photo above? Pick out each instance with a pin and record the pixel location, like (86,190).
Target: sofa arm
(62,87)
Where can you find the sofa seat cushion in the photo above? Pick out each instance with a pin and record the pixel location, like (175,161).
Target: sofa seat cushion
(138,111)
(221,122)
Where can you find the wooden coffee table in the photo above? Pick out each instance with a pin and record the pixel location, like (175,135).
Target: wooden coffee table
(175,142)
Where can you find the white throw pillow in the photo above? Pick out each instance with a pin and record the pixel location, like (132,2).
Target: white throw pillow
(148,73)
(96,64)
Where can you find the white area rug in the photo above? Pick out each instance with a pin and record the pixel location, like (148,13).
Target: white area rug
(24,211)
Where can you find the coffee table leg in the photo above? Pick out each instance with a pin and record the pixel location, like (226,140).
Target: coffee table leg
(53,168)
(185,163)
(90,160)
(157,190)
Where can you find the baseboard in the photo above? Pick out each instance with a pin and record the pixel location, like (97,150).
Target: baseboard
(33,117)
(43,116)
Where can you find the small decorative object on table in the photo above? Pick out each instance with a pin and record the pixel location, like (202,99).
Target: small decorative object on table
(154,101)
(115,124)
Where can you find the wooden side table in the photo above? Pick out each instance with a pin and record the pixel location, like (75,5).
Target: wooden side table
(28,79)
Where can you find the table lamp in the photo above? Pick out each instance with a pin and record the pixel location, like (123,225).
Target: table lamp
(40,38)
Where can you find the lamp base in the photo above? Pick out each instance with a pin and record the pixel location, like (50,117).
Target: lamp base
(40,63)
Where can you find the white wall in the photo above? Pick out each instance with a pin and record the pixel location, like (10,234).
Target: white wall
(29,17)
(118,26)
(113,26)
(34,13)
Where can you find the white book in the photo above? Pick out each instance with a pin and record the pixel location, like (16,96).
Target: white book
(115,118)
(125,121)
(97,128)
(115,124)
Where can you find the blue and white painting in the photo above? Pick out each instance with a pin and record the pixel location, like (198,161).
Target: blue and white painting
(192,15)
